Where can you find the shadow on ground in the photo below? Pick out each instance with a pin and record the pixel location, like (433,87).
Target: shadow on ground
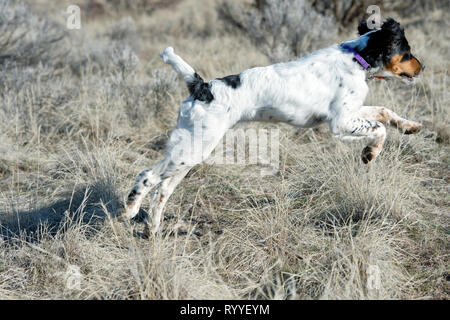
(87,205)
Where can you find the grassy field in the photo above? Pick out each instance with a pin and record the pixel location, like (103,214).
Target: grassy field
(82,112)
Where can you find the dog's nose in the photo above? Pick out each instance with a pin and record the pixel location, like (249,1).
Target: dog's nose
(422,66)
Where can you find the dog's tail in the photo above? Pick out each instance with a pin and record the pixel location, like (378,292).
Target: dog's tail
(189,75)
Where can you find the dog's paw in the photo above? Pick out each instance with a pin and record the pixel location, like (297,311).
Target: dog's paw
(412,127)
(368,154)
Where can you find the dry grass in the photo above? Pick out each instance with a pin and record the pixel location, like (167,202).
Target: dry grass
(74,134)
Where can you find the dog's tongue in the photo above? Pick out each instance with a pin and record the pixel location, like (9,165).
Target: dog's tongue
(378,77)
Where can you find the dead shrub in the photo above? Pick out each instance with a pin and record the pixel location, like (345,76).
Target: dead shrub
(27,39)
(281,29)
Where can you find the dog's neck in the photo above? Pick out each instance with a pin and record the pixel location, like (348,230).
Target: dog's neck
(356,56)
(355,46)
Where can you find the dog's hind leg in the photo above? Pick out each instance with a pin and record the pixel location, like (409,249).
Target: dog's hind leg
(145,181)
(187,149)
(159,200)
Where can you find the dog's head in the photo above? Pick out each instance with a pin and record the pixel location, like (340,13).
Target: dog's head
(388,50)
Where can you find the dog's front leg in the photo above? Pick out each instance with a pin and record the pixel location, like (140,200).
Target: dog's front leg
(355,128)
(390,118)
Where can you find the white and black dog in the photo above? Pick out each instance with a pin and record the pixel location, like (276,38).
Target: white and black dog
(327,86)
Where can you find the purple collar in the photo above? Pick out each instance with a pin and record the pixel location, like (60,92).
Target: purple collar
(357,56)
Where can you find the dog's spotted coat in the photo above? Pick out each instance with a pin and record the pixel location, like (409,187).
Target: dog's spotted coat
(326,86)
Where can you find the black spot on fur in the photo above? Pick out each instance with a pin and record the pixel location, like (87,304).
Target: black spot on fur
(145,182)
(132,195)
(200,90)
(233,81)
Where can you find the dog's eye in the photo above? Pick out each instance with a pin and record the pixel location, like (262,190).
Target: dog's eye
(406,57)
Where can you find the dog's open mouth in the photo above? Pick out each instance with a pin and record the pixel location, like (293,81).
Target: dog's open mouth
(407,77)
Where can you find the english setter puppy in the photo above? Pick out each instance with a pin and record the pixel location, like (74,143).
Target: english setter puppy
(327,86)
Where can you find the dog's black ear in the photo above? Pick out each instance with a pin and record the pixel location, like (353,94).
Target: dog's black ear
(393,27)
(363,28)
